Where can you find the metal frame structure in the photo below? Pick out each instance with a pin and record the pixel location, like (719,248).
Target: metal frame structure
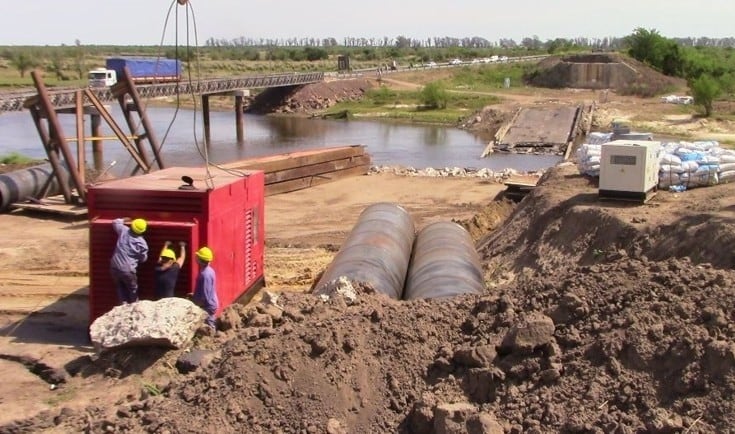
(41,107)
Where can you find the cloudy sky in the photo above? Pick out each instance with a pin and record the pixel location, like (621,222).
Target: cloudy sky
(141,22)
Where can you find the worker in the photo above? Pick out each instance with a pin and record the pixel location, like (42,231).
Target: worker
(205,291)
(131,249)
(167,270)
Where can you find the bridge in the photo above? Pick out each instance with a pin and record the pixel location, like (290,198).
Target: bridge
(67,97)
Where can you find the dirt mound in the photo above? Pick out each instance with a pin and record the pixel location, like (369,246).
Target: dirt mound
(625,345)
(308,98)
(563,222)
(602,71)
(486,122)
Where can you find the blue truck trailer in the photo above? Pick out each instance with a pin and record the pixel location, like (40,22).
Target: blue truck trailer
(143,70)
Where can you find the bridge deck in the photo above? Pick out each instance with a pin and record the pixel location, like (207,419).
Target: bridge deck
(66,98)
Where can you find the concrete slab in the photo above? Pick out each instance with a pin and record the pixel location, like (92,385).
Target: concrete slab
(540,127)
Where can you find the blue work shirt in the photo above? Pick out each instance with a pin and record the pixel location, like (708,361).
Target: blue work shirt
(131,249)
(205,291)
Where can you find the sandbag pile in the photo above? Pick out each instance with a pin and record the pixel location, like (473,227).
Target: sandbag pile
(682,165)
(588,159)
(588,154)
(686,165)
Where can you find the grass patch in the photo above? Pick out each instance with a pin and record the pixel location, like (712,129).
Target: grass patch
(15,158)
(408,105)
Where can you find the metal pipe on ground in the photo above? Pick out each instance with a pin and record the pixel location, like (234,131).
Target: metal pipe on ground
(377,251)
(19,185)
(444,263)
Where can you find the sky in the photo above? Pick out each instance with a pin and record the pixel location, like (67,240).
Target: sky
(141,22)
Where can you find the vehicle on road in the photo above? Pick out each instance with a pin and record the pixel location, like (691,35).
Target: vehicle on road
(455,62)
(142,70)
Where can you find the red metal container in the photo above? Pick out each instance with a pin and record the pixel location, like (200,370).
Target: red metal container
(224,211)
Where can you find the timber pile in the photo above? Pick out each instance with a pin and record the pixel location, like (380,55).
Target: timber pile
(304,169)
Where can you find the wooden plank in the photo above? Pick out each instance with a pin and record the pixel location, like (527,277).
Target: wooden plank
(311,181)
(278,162)
(522,180)
(316,169)
(52,205)
(292,160)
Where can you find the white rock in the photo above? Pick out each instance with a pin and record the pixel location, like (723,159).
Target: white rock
(169,322)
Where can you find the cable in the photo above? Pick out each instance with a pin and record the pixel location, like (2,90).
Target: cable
(176,56)
(204,154)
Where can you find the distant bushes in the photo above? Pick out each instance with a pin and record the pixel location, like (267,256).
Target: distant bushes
(434,96)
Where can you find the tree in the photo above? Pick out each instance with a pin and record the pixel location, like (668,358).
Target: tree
(705,89)
(434,96)
(23,61)
(57,67)
(79,64)
(661,53)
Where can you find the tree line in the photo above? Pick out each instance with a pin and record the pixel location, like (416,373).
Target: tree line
(401,42)
(708,69)
(708,64)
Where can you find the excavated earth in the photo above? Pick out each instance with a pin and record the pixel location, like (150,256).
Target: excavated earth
(600,317)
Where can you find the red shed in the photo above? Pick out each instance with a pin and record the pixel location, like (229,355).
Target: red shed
(223,210)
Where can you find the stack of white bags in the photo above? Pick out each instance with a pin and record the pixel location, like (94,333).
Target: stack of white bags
(588,155)
(682,165)
(695,164)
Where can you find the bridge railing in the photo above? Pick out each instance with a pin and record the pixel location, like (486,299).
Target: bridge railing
(64,98)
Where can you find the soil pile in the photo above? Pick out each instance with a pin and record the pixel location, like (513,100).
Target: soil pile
(613,317)
(602,71)
(308,98)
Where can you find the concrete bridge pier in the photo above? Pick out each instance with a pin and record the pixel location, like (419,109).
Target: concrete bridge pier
(239,95)
(239,117)
(205,115)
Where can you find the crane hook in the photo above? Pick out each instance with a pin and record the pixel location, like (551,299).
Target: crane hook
(182,2)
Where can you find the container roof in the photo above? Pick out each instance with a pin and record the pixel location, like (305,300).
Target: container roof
(171,179)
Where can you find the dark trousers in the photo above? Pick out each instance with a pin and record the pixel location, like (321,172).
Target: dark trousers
(126,284)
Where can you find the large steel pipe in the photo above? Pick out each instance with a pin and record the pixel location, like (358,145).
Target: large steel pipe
(22,184)
(376,252)
(444,263)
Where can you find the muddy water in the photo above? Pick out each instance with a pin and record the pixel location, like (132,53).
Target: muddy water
(389,143)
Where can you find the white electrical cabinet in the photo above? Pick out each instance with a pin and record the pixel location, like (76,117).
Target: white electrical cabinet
(629,169)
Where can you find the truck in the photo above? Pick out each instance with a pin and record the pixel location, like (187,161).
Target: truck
(143,70)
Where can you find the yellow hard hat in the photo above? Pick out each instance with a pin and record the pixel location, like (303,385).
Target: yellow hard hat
(205,254)
(138,226)
(168,253)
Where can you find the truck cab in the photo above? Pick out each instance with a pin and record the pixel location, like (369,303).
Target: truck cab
(102,77)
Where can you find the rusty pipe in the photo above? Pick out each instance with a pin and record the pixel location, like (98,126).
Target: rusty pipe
(19,185)
(376,252)
(444,263)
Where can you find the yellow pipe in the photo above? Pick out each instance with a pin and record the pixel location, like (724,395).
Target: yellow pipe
(94,138)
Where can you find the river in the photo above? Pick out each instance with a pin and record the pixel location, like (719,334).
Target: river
(388,143)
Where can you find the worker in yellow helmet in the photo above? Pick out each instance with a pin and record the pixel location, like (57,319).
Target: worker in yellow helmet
(167,270)
(205,291)
(131,249)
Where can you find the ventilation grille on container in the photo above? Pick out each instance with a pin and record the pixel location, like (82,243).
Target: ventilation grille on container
(150,201)
(251,266)
(102,240)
